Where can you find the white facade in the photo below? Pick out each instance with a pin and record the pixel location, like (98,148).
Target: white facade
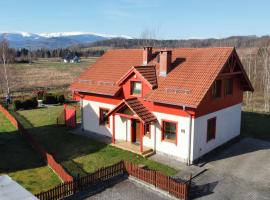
(228,122)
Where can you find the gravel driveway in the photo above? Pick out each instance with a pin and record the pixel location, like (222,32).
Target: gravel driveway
(240,172)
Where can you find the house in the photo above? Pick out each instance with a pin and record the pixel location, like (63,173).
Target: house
(181,102)
(71,59)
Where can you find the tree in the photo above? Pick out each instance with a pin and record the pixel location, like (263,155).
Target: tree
(4,50)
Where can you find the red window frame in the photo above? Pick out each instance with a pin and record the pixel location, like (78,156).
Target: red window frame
(101,120)
(147,126)
(229,87)
(211,129)
(162,131)
(132,85)
(217,89)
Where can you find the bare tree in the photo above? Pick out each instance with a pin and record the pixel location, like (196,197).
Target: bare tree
(4,55)
(264,53)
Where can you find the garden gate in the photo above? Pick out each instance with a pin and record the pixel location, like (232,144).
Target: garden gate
(70,116)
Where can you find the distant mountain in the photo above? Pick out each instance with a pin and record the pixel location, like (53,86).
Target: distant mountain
(54,40)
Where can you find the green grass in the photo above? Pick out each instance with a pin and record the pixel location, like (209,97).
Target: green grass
(256,125)
(20,162)
(78,154)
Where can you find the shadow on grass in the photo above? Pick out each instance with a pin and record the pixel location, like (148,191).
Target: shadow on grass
(16,154)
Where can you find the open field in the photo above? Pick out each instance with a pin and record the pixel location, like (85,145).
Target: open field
(77,154)
(45,74)
(20,162)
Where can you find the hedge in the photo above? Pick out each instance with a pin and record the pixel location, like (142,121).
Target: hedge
(30,103)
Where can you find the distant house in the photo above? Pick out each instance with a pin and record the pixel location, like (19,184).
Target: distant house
(71,59)
(182,102)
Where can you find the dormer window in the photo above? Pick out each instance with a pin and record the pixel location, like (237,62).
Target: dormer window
(136,88)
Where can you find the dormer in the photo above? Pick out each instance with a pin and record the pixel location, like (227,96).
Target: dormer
(138,81)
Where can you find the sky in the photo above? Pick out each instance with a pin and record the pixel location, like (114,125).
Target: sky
(160,19)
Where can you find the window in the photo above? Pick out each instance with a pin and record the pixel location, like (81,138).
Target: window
(147,131)
(136,88)
(211,129)
(229,87)
(216,91)
(103,119)
(169,131)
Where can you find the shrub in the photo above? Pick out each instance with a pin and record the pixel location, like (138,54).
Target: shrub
(29,103)
(53,98)
(61,98)
(17,104)
(50,99)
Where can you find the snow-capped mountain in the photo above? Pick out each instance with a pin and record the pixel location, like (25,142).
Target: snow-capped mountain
(54,40)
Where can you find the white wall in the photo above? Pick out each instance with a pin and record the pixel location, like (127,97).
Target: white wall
(228,122)
(179,151)
(91,117)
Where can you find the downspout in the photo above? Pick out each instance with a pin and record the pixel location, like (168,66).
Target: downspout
(189,136)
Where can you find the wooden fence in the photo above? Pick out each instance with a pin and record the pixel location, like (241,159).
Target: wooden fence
(79,184)
(157,179)
(48,158)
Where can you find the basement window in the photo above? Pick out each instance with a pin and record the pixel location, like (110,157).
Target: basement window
(216,90)
(103,118)
(136,88)
(229,87)
(211,129)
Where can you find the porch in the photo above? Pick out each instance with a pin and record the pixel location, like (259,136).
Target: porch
(130,122)
(134,148)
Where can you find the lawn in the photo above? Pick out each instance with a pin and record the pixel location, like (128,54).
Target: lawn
(20,162)
(78,154)
(256,125)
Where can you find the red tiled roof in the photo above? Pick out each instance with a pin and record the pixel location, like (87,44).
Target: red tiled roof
(193,72)
(137,108)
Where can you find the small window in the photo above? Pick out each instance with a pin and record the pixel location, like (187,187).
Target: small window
(216,91)
(147,131)
(229,87)
(169,130)
(211,129)
(136,88)
(103,118)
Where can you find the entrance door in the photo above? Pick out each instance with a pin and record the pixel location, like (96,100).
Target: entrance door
(135,135)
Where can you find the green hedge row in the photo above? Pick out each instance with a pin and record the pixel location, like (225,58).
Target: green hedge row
(30,103)
(55,98)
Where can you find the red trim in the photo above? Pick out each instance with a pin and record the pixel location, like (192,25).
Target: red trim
(102,99)
(100,123)
(141,136)
(162,131)
(113,133)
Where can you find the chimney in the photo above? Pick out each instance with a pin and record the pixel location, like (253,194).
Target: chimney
(165,61)
(147,55)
